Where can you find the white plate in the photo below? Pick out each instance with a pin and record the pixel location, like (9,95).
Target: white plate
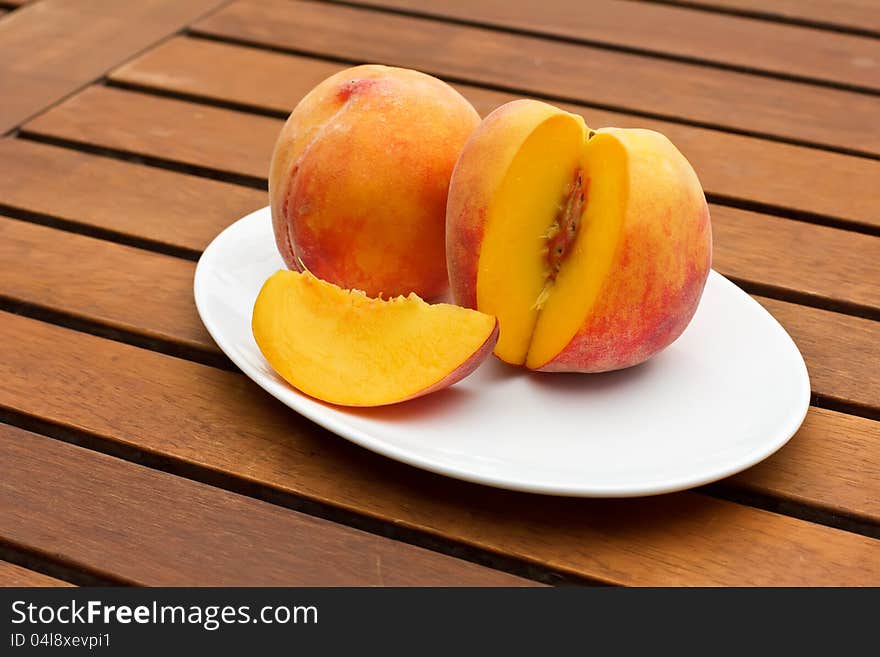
(728,393)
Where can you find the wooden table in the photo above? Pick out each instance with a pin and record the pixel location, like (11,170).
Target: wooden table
(132,451)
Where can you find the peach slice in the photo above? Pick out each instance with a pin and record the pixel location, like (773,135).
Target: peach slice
(591,247)
(343,347)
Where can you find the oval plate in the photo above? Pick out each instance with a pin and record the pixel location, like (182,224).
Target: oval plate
(728,393)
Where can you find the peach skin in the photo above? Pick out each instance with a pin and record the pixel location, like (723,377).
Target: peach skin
(359,179)
(591,247)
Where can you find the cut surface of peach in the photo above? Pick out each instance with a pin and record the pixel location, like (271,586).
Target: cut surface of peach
(345,348)
(591,247)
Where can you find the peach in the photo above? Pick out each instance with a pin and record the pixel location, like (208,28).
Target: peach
(359,178)
(343,347)
(592,247)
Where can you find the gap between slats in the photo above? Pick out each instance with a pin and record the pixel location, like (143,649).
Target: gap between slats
(229,482)
(769,15)
(660,116)
(250,24)
(41,563)
(440,14)
(252,182)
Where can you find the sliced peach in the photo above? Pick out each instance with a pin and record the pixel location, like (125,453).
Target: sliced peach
(343,347)
(591,247)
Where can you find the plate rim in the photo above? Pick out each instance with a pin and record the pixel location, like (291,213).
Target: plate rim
(308,409)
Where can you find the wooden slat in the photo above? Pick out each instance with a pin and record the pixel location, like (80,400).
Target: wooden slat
(739,101)
(682,32)
(841,351)
(771,173)
(147,203)
(815,260)
(833,462)
(203,136)
(227,72)
(12,575)
(853,14)
(126,522)
(77,42)
(120,286)
(221,421)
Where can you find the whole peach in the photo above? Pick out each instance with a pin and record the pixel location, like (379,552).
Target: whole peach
(359,179)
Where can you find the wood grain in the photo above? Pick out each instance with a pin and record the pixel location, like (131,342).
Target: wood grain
(842,356)
(825,262)
(163,128)
(12,575)
(854,14)
(221,421)
(227,72)
(147,203)
(126,522)
(833,462)
(77,43)
(687,92)
(119,286)
(733,166)
(681,32)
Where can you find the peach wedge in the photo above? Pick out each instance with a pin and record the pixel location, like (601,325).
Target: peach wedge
(343,347)
(592,247)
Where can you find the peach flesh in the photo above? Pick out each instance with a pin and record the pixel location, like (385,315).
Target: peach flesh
(613,276)
(345,348)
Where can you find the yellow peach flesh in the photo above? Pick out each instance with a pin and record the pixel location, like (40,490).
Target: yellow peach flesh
(591,247)
(526,204)
(540,306)
(343,347)
(571,296)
